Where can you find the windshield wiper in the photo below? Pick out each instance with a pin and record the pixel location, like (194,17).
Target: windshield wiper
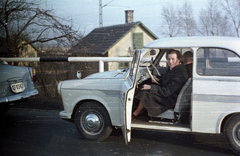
(124,70)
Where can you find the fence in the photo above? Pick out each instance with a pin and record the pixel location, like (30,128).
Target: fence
(101,60)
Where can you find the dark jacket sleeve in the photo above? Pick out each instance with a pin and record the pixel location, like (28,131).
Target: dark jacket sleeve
(174,85)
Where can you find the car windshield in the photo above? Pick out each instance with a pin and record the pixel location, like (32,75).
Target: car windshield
(154,55)
(148,55)
(158,56)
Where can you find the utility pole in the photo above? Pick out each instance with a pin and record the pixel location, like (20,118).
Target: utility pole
(100,12)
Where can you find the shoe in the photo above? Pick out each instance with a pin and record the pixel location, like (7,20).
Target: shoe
(134,117)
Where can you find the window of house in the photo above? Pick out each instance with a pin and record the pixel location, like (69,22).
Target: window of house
(123,65)
(25,47)
(217,62)
(137,40)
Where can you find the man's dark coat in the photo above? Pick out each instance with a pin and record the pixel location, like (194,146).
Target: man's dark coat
(164,96)
(189,69)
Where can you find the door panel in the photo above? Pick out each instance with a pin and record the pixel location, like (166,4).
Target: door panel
(216,88)
(128,90)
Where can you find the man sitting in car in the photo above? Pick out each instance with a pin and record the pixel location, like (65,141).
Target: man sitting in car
(157,98)
(188,60)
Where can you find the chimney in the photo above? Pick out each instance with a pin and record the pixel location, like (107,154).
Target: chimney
(129,16)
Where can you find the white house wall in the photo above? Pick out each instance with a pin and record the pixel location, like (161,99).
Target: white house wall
(125,46)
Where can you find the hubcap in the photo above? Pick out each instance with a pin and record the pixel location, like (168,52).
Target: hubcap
(91,122)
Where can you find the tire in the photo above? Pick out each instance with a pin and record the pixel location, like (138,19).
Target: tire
(92,121)
(232,133)
(4,107)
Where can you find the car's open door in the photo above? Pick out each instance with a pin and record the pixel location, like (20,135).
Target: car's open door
(128,90)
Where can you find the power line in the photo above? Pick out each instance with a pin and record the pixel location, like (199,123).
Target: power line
(108,3)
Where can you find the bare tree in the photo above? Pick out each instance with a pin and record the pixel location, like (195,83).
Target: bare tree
(232,8)
(24,20)
(212,22)
(170,21)
(187,20)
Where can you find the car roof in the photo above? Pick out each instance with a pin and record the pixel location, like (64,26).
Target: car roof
(231,43)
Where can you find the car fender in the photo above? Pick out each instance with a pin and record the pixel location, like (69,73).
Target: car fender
(78,101)
(223,116)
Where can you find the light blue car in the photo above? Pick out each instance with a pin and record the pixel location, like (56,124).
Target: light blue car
(209,102)
(16,83)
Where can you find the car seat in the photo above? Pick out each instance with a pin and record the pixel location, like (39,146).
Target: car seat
(183,102)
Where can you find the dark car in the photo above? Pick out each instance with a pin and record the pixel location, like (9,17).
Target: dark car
(16,83)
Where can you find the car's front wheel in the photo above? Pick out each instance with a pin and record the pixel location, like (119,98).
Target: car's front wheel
(92,121)
(232,133)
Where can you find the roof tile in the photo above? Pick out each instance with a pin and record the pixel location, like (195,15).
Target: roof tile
(101,39)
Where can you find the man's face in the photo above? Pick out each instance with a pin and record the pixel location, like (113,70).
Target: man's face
(172,60)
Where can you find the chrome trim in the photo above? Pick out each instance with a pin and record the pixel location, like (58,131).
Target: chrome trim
(106,92)
(217,78)
(93,78)
(157,126)
(3,99)
(111,92)
(216,98)
(18,96)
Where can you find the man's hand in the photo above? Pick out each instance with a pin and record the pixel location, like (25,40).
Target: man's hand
(145,87)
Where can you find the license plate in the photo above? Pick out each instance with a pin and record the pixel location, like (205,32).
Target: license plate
(17,87)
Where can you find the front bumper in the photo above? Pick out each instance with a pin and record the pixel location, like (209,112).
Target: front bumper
(20,96)
(65,115)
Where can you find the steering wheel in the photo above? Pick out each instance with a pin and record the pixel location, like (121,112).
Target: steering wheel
(149,72)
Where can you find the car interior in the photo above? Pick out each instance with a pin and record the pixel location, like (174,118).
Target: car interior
(181,113)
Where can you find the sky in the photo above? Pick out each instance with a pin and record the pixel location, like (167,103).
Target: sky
(85,13)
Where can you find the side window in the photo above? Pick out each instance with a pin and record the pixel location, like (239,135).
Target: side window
(137,40)
(217,62)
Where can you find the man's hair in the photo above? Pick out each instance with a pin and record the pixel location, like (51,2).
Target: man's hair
(188,54)
(173,51)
